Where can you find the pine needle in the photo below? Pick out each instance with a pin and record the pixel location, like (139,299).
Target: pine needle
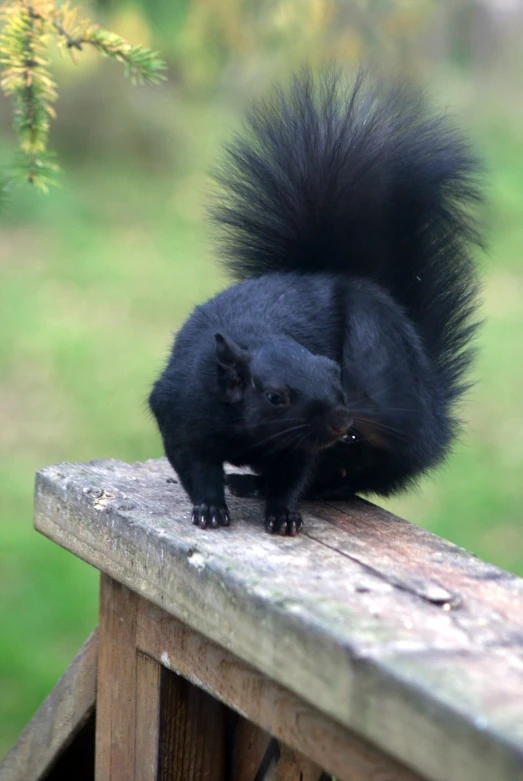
(28,30)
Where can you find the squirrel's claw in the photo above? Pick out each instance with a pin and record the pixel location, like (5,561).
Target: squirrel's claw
(283,522)
(204,515)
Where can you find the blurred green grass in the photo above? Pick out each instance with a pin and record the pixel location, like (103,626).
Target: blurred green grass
(94,279)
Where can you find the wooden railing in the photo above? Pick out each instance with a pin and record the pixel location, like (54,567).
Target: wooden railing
(365,648)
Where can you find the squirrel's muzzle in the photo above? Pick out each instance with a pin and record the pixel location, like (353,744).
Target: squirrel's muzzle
(330,424)
(339,421)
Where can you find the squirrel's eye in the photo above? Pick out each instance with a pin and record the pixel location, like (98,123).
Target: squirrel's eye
(275,398)
(352,436)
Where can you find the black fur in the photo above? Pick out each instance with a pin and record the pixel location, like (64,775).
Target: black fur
(334,366)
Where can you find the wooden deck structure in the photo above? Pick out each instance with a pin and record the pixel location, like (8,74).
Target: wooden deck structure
(365,648)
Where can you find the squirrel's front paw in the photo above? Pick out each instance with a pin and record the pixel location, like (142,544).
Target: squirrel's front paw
(280,520)
(213,515)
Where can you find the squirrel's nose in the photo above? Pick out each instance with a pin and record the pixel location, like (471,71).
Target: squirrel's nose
(340,421)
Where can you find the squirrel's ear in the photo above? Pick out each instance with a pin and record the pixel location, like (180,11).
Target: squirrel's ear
(232,361)
(228,353)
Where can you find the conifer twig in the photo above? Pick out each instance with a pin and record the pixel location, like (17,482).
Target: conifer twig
(28,28)
(26,78)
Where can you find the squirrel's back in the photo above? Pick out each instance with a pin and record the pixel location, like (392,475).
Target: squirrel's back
(361,181)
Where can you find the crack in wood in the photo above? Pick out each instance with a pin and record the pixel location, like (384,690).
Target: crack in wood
(428,590)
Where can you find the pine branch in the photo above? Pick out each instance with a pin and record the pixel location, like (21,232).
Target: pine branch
(141,64)
(40,170)
(26,78)
(29,26)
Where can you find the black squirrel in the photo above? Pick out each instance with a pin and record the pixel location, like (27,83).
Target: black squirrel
(334,367)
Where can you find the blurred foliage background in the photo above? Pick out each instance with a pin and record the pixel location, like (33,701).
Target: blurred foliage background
(95,276)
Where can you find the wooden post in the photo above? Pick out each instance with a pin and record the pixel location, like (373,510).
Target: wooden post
(192,732)
(250,748)
(152,725)
(295,767)
(116,692)
(148,677)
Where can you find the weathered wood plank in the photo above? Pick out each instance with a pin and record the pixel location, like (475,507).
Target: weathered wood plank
(250,747)
(294,767)
(192,725)
(279,712)
(116,689)
(147,737)
(57,722)
(342,615)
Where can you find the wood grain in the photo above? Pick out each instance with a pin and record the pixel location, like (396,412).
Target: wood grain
(147,735)
(250,746)
(152,725)
(354,616)
(276,710)
(116,692)
(295,767)
(57,723)
(192,726)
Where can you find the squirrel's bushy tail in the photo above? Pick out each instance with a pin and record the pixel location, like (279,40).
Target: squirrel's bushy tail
(362,181)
